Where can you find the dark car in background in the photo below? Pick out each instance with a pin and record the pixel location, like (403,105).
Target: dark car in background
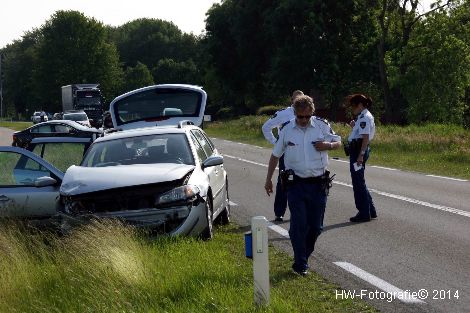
(54,128)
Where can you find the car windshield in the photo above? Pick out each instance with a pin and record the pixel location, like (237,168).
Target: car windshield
(75,117)
(37,114)
(150,149)
(157,104)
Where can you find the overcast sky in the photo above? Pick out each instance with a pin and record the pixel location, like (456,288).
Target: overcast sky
(19,16)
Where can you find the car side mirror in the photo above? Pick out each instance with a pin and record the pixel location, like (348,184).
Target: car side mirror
(213,161)
(44,181)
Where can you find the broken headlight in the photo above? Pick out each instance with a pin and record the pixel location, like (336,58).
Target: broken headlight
(181,194)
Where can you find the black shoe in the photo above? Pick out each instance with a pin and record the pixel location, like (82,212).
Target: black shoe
(359,219)
(279,219)
(303,272)
(373,215)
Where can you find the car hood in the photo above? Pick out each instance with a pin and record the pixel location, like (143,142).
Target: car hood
(80,180)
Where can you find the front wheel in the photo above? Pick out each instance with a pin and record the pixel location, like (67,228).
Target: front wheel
(208,232)
(225,214)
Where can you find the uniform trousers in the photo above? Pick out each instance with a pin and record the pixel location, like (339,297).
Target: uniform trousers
(280,199)
(362,198)
(307,202)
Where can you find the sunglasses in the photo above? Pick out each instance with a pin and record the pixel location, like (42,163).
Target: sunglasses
(300,117)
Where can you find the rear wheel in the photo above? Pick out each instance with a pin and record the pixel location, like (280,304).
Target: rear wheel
(208,232)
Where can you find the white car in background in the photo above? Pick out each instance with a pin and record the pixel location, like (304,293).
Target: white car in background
(39,116)
(77,116)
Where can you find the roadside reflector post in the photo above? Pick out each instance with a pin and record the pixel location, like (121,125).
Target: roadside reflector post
(259,232)
(248,245)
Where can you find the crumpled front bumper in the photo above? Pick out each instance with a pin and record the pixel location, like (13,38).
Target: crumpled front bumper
(179,220)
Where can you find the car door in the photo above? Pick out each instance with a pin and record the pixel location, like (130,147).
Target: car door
(61,154)
(20,174)
(217,177)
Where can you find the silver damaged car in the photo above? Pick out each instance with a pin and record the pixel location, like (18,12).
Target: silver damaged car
(168,179)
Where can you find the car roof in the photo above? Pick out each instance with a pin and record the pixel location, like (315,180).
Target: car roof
(69,123)
(155,130)
(176,86)
(60,140)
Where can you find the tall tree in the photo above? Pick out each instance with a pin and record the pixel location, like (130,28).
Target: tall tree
(19,66)
(397,20)
(262,50)
(438,71)
(137,77)
(73,49)
(150,40)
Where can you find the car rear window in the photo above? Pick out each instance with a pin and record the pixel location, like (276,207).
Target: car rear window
(157,104)
(75,117)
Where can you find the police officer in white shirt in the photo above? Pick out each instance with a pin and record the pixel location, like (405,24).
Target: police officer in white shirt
(304,142)
(279,120)
(363,131)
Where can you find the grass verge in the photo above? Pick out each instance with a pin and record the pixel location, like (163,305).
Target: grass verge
(15,125)
(108,267)
(432,149)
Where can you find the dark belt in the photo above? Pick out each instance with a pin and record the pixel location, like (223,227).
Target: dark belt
(309,180)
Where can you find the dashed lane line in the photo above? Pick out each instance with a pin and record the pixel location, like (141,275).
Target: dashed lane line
(450,178)
(403,295)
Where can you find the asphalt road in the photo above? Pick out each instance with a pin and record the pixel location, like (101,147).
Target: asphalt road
(420,241)
(5,136)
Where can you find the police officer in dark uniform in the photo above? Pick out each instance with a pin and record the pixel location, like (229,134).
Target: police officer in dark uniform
(279,120)
(304,142)
(363,131)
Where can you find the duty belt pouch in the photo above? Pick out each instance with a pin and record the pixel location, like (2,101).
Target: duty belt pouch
(287,178)
(327,182)
(355,146)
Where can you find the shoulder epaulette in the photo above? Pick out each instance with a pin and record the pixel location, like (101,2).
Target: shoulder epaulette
(284,124)
(324,120)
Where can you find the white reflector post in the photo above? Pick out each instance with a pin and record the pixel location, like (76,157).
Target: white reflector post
(259,230)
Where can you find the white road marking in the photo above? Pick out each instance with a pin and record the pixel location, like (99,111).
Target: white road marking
(423,203)
(232,203)
(444,177)
(337,160)
(243,160)
(402,295)
(384,168)
(278,229)
(386,194)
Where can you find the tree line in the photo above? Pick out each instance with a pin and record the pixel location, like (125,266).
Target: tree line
(414,62)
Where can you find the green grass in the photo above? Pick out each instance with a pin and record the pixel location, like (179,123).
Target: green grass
(107,267)
(15,125)
(433,148)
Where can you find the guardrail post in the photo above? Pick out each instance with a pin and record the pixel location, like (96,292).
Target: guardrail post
(259,230)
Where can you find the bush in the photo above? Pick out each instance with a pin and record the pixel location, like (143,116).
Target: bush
(225,113)
(269,109)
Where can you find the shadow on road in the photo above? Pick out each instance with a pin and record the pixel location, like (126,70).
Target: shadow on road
(339,225)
